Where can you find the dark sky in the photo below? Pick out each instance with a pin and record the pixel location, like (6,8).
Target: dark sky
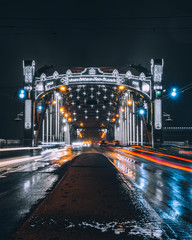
(94,33)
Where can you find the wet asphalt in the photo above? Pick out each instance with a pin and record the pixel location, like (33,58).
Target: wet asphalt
(92,201)
(167,190)
(97,201)
(24,185)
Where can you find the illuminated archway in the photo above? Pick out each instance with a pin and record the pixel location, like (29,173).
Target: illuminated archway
(94,97)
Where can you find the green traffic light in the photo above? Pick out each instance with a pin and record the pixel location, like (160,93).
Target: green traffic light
(158,94)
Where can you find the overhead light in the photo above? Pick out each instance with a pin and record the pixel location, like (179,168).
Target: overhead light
(129,102)
(121,87)
(62,88)
(61,109)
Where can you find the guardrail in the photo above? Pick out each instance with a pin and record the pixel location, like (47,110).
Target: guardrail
(25,151)
(22,151)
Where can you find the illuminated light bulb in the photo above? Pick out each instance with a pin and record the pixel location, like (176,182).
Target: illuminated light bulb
(62,88)
(121,87)
(54,102)
(40,108)
(61,109)
(129,102)
(141,111)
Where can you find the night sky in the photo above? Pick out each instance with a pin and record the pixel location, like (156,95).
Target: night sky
(94,33)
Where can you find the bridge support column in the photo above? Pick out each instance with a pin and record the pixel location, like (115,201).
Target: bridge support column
(123,130)
(128,128)
(120,126)
(131,126)
(141,130)
(137,132)
(157,72)
(47,125)
(134,123)
(43,131)
(50,124)
(28,128)
(67,133)
(56,117)
(117,132)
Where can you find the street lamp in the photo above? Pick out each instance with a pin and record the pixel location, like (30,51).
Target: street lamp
(61,110)
(174,92)
(129,102)
(40,108)
(62,88)
(22,94)
(54,102)
(121,87)
(141,111)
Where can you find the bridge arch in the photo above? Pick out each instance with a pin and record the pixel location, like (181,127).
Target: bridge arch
(95,97)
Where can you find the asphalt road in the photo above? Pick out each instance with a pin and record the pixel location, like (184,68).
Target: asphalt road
(25,181)
(168,189)
(92,201)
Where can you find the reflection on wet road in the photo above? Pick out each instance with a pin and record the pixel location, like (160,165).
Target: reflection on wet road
(24,184)
(167,189)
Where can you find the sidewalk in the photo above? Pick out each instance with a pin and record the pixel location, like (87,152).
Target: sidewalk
(90,202)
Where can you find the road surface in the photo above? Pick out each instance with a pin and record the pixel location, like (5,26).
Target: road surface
(160,182)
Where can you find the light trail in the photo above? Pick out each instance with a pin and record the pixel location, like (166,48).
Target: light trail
(19,149)
(166,155)
(17,160)
(186,152)
(157,160)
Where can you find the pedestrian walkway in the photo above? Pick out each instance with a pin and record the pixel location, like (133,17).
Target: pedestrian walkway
(91,202)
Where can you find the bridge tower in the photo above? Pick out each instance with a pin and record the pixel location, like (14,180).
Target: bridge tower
(157,73)
(29,73)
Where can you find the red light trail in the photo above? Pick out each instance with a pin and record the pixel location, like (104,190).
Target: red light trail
(159,161)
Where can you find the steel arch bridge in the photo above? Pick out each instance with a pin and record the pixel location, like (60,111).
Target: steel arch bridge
(93,102)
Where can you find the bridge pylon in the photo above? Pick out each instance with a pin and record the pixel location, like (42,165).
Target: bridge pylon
(28,126)
(157,73)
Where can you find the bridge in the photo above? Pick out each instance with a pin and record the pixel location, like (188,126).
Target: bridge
(107,192)
(93,103)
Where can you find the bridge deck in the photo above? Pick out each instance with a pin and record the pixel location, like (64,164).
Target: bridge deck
(91,202)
